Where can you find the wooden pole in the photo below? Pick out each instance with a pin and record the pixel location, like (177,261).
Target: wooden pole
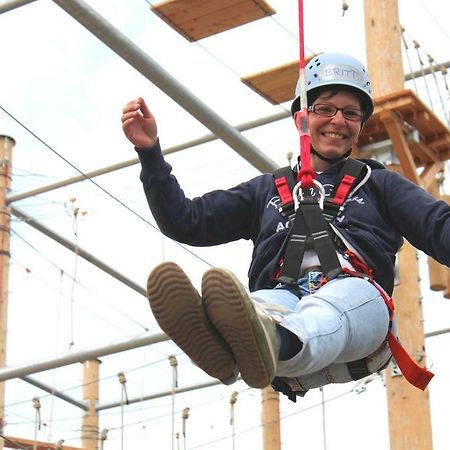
(437,273)
(90,432)
(270,418)
(409,407)
(383,44)
(6,145)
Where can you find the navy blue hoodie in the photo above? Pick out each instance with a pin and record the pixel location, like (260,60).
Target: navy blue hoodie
(374,220)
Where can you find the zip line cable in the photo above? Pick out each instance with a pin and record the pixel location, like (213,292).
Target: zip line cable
(256,427)
(74,276)
(431,61)
(324,425)
(233,400)
(84,307)
(37,422)
(71,388)
(105,191)
(165,415)
(437,22)
(431,70)
(174,364)
(405,44)
(417,46)
(123,401)
(89,291)
(444,73)
(184,417)
(228,66)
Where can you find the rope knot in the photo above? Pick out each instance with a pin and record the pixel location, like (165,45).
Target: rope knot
(306,175)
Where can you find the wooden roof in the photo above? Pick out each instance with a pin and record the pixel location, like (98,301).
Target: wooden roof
(396,116)
(198,19)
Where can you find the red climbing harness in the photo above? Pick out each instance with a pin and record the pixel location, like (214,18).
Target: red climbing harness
(311,222)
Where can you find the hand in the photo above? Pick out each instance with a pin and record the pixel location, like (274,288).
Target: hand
(139,124)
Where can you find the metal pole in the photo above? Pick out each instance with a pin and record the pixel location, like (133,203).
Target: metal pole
(83,253)
(13,4)
(9,373)
(149,68)
(124,164)
(54,392)
(167,393)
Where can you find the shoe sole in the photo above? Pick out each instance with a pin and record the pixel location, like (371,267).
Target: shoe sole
(178,309)
(229,308)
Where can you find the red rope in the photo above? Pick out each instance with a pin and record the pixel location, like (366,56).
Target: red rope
(306,174)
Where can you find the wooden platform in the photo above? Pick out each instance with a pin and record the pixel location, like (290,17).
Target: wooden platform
(198,19)
(276,85)
(396,117)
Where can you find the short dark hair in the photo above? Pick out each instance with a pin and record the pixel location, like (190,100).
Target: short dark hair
(314,94)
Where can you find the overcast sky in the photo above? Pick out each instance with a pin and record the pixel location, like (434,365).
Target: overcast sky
(62,92)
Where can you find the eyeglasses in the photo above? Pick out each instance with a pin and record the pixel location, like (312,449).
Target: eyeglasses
(322,109)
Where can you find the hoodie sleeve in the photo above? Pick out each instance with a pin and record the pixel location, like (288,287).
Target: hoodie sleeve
(215,218)
(419,217)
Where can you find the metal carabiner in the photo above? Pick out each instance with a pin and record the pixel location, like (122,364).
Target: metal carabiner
(297,194)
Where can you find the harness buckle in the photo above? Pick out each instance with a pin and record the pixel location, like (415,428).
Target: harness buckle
(297,194)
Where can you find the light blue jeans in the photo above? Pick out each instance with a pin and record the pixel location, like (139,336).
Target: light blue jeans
(342,321)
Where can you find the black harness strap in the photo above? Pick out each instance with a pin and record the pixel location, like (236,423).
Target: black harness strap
(320,233)
(295,250)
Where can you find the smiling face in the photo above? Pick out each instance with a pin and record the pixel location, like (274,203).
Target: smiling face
(333,136)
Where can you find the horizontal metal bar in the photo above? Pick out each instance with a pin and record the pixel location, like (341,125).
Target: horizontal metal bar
(13,4)
(83,253)
(55,392)
(8,373)
(124,164)
(149,68)
(161,394)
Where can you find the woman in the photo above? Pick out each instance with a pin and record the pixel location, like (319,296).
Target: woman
(312,331)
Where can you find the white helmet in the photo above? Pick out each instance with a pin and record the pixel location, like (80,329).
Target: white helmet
(336,69)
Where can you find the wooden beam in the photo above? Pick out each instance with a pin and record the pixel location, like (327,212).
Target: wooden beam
(437,273)
(400,145)
(424,152)
(428,175)
(20,443)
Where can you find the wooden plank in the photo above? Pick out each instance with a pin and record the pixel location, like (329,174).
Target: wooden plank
(198,19)
(276,85)
(224,19)
(180,11)
(15,442)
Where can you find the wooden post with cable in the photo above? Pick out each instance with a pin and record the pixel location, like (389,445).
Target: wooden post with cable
(90,430)
(270,418)
(6,146)
(409,408)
